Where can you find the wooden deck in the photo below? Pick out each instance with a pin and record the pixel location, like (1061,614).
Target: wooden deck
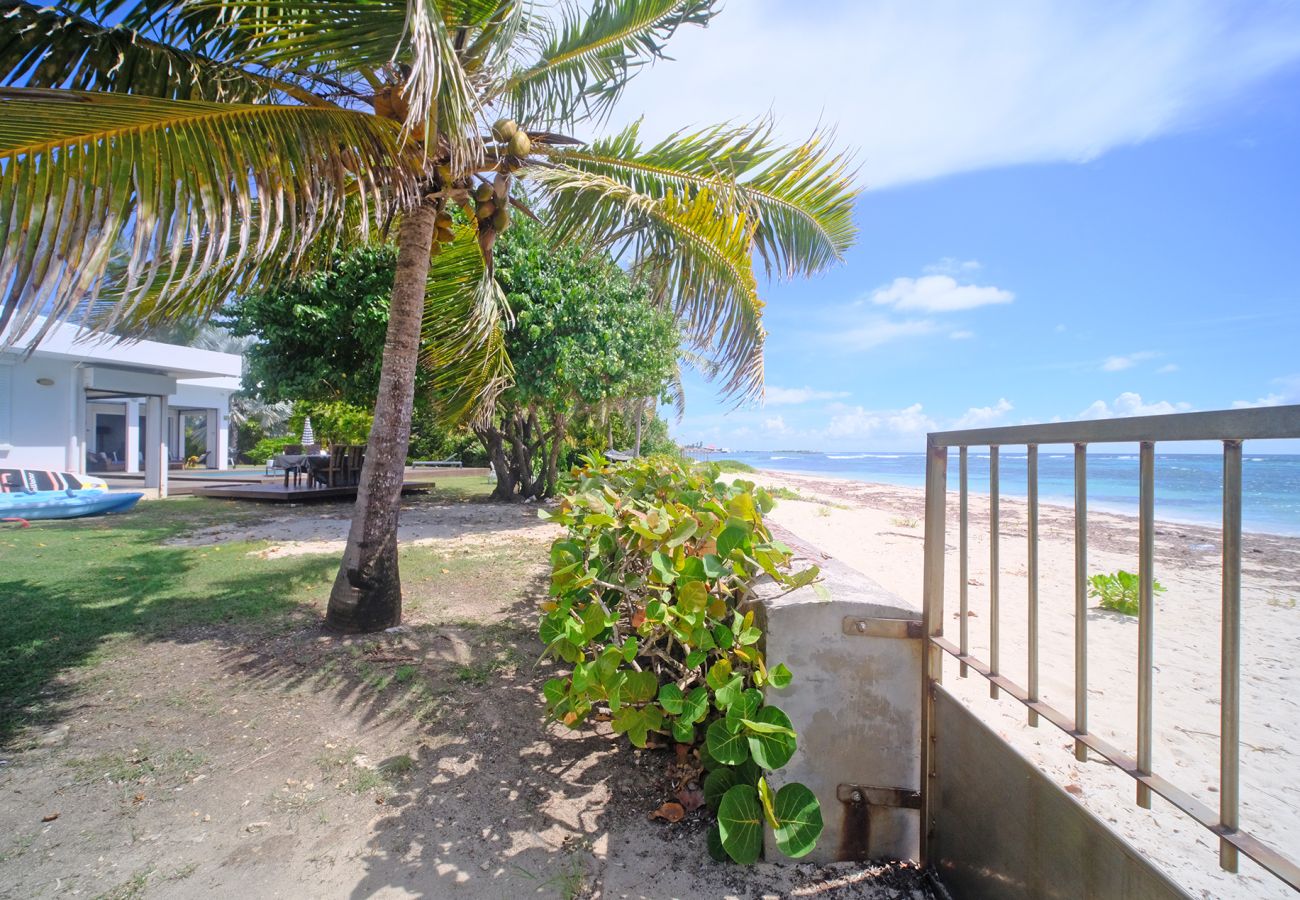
(276,492)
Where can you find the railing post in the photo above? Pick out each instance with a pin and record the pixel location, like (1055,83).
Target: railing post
(1032,574)
(1080,599)
(963,565)
(1146,611)
(936,497)
(995,641)
(1230,654)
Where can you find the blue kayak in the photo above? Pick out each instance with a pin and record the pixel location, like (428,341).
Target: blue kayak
(67,504)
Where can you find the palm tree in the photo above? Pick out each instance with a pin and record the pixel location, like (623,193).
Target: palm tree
(158,155)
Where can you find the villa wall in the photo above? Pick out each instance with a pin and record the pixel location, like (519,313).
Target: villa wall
(50,426)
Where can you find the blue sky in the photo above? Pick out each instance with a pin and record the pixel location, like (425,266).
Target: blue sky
(1071,211)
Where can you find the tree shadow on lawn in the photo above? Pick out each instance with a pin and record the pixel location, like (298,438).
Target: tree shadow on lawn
(491,799)
(67,594)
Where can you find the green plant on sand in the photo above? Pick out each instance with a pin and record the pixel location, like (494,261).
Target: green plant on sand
(1118,591)
(651,606)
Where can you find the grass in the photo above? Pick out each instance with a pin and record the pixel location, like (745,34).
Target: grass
(904,522)
(734,465)
(781,492)
(72,590)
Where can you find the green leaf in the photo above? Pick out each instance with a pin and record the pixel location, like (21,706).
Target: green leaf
(726,746)
(723,636)
(771,749)
(693,596)
(717,783)
(630,648)
(730,692)
(780,676)
(719,674)
(740,824)
(732,536)
(714,567)
(798,820)
(716,850)
(640,687)
(670,698)
(696,705)
(745,706)
(663,567)
(765,800)
(683,732)
(695,658)
(683,532)
(637,722)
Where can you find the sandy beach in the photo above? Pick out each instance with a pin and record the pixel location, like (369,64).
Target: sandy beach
(878,529)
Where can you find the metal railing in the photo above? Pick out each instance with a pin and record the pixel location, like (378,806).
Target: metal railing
(1231,427)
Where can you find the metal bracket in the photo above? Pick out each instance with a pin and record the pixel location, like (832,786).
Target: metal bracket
(898,798)
(858,626)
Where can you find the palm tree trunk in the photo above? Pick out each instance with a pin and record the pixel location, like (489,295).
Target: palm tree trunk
(640,418)
(367,594)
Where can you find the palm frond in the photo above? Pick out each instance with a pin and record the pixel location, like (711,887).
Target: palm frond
(801,198)
(587,56)
(171,186)
(45,47)
(693,252)
(437,90)
(463,347)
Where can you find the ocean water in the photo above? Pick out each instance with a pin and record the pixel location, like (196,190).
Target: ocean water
(1189,486)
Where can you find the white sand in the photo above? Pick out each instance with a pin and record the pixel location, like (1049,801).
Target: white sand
(878,529)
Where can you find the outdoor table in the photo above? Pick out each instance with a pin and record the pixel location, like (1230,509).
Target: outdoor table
(298,463)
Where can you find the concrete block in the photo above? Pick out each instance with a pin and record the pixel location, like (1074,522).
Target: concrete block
(855,702)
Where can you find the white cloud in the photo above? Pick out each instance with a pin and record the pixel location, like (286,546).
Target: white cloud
(961,335)
(1167,369)
(937,293)
(867,424)
(983,416)
(1120,363)
(780,396)
(950,265)
(1059,329)
(1290,393)
(878,331)
(776,424)
(927,89)
(1131,404)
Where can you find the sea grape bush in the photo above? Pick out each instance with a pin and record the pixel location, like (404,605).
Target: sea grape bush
(649,606)
(1119,591)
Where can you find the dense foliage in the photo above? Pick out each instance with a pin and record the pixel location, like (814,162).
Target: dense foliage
(320,337)
(651,606)
(584,334)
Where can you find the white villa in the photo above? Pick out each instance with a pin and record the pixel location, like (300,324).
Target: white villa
(88,404)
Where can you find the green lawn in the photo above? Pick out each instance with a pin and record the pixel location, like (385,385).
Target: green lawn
(71,590)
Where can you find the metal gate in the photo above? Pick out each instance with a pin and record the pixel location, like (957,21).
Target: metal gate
(992,824)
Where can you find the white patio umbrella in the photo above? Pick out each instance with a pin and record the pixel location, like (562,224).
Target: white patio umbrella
(308,436)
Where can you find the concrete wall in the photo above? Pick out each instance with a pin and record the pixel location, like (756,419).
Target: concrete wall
(855,702)
(39,416)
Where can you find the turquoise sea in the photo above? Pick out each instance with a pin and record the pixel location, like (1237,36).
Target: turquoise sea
(1189,486)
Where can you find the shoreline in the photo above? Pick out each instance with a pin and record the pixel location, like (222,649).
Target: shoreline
(1064,503)
(878,529)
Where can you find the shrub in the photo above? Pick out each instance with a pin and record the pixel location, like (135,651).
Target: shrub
(733,465)
(268,447)
(650,605)
(1118,591)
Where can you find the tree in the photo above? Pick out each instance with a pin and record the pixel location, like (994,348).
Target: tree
(584,335)
(193,149)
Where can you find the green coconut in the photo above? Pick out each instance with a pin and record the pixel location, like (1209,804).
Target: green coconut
(501,218)
(504,129)
(521,145)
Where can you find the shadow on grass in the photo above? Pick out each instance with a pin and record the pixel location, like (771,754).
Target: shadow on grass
(68,589)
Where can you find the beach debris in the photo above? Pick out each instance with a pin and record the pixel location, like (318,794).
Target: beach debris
(669,812)
(49,817)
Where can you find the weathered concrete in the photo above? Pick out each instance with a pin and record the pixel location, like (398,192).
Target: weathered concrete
(855,702)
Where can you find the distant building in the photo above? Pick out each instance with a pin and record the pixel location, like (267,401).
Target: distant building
(83,403)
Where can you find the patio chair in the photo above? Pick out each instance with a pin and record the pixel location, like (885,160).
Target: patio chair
(356,458)
(331,474)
